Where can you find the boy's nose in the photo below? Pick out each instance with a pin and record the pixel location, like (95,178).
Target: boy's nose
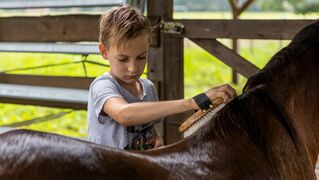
(132,67)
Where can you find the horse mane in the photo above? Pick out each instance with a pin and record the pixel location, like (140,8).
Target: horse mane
(304,39)
(249,112)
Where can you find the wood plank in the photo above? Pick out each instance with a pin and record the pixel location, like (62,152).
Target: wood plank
(49,81)
(64,28)
(166,63)
(243,29)
(226,55)
(70,28)
(173,84)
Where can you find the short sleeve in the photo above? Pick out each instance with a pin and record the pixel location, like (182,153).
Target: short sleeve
(101,91)
(152,90)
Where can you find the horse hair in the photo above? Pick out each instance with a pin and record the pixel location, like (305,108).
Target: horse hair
(243,113)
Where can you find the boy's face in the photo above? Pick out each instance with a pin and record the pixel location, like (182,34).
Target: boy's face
(127,61)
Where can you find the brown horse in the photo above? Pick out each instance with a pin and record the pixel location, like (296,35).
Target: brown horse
(268,132)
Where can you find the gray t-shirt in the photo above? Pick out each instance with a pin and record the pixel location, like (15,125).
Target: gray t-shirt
(102,129)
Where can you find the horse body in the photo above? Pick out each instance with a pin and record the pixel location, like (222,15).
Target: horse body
(35,155)
(268,132)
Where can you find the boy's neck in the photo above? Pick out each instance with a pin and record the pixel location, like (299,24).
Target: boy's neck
(134,88)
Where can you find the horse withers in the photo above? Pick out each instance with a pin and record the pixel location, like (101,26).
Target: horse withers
(268,132)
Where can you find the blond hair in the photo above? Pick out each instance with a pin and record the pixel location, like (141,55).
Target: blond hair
(121,24)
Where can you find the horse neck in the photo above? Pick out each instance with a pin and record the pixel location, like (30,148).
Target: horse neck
(295,88)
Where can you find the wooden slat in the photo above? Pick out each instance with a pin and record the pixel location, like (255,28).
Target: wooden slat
(70,28)
(166,63)
(49,81)
(243,29)
(65,28)
(226,55)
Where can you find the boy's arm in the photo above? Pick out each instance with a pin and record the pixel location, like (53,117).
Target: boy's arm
(129,114)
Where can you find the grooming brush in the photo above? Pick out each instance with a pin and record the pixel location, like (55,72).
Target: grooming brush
(199,119)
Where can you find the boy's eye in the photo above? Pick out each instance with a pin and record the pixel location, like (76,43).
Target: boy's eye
(141,58)
(123,59)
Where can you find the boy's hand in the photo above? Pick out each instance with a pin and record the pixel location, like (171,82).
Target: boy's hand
(158,142)
(221,94)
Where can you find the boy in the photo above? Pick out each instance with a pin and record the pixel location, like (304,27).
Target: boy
(122,107)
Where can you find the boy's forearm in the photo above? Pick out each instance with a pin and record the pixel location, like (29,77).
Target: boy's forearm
(146,112)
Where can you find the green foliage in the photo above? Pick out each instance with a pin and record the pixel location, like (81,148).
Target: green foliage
(307,8)
(203,5)
(297,6)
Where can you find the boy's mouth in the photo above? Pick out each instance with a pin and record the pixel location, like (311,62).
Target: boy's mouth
(131,76)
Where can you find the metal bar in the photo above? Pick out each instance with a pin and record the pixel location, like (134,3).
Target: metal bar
(59,4)
(49,94)
(67,48)
(38,67)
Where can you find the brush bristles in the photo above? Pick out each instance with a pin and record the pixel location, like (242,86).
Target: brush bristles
(201,121)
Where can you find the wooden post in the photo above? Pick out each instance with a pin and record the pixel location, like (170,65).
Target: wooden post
(165,65)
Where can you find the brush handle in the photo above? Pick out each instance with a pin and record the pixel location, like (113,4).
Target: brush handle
(197,115)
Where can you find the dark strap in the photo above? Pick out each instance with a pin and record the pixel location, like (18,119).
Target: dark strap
(203,101)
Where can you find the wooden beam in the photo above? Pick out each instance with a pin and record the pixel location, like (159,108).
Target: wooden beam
(227,56)
(243,29)
(70,28)
(65,28)
(165,66)
(49,81)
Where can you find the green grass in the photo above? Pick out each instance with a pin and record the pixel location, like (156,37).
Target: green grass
(202,71)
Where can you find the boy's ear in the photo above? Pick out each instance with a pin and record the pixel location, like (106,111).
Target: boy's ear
(103,51)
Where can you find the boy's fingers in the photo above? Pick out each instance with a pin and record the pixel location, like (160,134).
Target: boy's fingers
(228,89)
(217,101)
(214,94)
(224,92)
